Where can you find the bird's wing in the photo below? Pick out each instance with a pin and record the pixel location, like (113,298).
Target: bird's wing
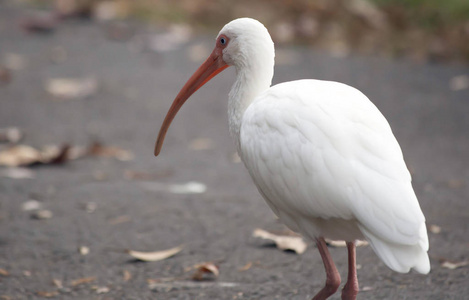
(322,149)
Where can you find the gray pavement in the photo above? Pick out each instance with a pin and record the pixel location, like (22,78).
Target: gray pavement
(135,90)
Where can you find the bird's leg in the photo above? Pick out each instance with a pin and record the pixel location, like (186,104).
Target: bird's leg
(350,290)
(332,275)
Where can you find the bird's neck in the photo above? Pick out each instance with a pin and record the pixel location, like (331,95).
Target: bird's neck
(250,83)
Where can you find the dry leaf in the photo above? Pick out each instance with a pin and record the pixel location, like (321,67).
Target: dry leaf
(434,229)
(4,272)
(82,281)
(245,267)
(154,256)
(127,275)
(101,289)
(83,250)
(191,187)
(67,88)
(453,265)
(98,149)
(19,155)
(10,135)
(292,243)
(47,294)
(17,173)
(206,271)
(120,220)
(334,243)
(42,214)
(58,283)
(31,205)
(22,155)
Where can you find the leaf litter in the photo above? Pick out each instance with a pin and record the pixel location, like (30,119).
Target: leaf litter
(26,156)
(154,256)
(453,265)
(283,242)
(72,88)
(205,271)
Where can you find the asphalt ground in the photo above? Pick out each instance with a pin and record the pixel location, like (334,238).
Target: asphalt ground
(135,88)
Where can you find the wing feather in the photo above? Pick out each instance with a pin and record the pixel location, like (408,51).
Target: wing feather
(321,149)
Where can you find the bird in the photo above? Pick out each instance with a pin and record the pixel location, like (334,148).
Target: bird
(321,154)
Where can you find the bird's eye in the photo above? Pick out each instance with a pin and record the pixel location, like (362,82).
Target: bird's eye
(223,41)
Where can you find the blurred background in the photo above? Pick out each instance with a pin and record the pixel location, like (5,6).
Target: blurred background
(424,30)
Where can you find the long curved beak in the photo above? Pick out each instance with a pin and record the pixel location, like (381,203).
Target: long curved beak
(209,69)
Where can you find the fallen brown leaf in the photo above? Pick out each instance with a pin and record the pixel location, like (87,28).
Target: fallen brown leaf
(101,289)
(453,265)
(67,88)
(23,155)
(154,256)
(46,294)
(31,205)
(84,280)
(282,242)
(245,267)
(205,271)
(120,220)
(83,250)
(42,214)
(58,283)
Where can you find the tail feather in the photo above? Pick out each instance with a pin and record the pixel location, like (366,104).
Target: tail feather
(401,258)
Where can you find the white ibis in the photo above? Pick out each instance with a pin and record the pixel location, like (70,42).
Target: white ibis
(321,154)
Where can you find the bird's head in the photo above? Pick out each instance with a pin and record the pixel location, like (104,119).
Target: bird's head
(243,43)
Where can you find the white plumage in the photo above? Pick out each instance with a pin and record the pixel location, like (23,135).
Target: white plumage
(327,163)
(321,154)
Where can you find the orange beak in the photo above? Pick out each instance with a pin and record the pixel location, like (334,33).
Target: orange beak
(209,69)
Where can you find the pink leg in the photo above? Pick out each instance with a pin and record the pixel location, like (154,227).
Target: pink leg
(350,290)
(332,275)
